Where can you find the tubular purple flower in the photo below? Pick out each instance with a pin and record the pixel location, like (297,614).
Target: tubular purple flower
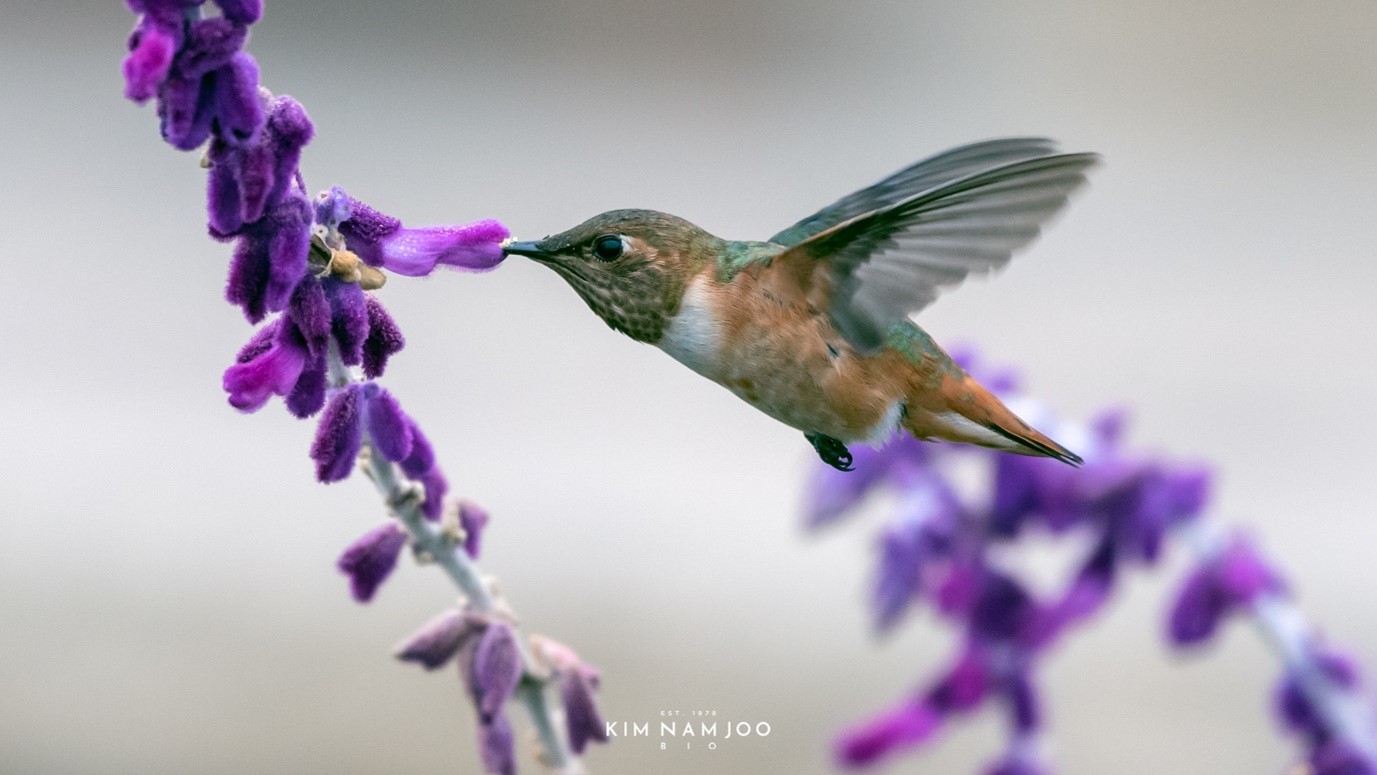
(384,339)
(370,560)
(472,519)
(1218,587)
(210,45)
(902,727)
(339,435)
(963,687)
(439,639)
(1003,610)
(270,259)
(270,364)
(382,241)
(1088,590)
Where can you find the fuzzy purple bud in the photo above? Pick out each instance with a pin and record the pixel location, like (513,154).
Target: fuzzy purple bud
(308,396)
(384,339)
(496,669)
(1223,584)
(496,746)
(582,718)
(388,426)
(472,519)
(339,435)
(270,259)
(151,48)
(247,180)
(440,639)
(370,560)
(241,11)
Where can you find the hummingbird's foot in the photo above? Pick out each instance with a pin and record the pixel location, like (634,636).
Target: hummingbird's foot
(832,451)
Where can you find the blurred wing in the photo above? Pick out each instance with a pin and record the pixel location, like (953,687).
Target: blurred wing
(881,267)
(915,179)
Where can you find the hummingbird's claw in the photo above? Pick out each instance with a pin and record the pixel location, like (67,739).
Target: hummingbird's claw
(832,451)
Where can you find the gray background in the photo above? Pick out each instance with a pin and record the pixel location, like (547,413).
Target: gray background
(167,593)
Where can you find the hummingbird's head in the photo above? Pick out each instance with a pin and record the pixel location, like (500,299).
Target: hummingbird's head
(630,266)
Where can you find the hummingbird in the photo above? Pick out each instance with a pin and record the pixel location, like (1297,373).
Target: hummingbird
(812,326)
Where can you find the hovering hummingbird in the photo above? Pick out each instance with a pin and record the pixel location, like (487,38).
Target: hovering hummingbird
(812,326)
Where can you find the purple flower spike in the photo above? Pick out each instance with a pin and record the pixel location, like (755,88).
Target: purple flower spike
(339,435)
(270,364)
(496,746)
(370,560)
(496,670)
(472,518)
(1228,582)
(381,240)
(151,48)
(905,726)
(440,639)
(384,339)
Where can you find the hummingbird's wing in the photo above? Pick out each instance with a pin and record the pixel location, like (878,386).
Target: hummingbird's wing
(915,179)
(876,269)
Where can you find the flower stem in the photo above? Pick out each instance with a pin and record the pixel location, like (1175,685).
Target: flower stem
(400,495)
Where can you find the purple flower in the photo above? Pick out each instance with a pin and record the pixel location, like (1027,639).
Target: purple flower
(349,311)
(1339,758)
(578,685)
(339,435)
(440,639)
(1326,668)
(247,180)
(905,726)
(384,339)
(1221,585)
(370,560)
(354,408)
(496,746)
(270,258)
(382,241)
(472,519)
(496,670)
(151,47)
(270,364)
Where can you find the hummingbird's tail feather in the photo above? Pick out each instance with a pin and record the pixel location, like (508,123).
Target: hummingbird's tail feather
(963,410)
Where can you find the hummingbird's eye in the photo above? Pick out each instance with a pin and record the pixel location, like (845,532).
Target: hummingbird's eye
(609,247)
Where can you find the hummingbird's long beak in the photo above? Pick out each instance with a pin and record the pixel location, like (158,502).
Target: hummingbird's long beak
(527,249)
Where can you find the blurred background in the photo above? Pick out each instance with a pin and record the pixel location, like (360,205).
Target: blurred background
(167,586)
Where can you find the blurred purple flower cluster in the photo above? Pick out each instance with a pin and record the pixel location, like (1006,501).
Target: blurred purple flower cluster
(309,262)
(944,549)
